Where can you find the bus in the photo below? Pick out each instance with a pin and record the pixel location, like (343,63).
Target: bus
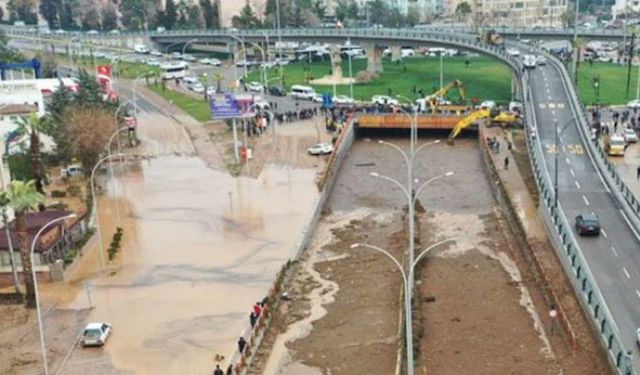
(174,70)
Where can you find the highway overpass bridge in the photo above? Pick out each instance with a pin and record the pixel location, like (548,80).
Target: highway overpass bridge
(572,178)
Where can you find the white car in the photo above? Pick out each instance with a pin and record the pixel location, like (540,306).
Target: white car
(155,52)
(384,99)
(317,98)
(255,87)
(197,87)
(541,60)
(187,57)
(176,55)
(343,99)
(190,79)
(634,104)
(208,61)
(407,52)
(630,135)
(321,149)
(211,91)
(70,171)
(513,52)
(152,62)
(95,334)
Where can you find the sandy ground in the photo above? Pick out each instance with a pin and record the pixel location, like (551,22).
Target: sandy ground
(200,247)
(477,282)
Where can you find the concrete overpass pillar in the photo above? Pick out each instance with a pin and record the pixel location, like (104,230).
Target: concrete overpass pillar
(396,53)
(374,58)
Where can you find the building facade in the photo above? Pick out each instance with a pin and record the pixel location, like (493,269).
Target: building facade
(518,13)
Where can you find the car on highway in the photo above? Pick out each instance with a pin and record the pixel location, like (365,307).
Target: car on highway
(197,87)
(630,135)
(343,99)
(587,224)
(190,80)
(210,61)
(277,91)
(92,32)
(242,63)
(95,334)
(189,58)
(634,103)
(303,92)
(114,32)
(141,49)
(541,60)
(513,52)
(317,98)
(320,149)
(176,55)
(255,86)
(152,62)
(156,53)
(529,61)
(384,100)
(211,91)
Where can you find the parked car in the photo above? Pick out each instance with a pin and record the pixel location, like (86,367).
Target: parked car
(634,104)
(343,99)
(197,88)
(513,52)
(384,100)
(320,149)
(277,91)
(189,58)
(190,80)
(541,60)
(630,135)
(152,62)
(211,91)
(588,224)
(95,334)
(155,52)
(317,98)
(209,61)
(70,171)
(255,87)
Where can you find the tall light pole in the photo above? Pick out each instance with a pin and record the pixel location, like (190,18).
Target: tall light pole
(95,205)
(114,136)
(279,32)
(35,286)
(575,42)
(441,70)
(408,291)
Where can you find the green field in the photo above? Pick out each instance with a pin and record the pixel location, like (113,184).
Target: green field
(126,70)
(196,108)
(613,83)
(484,79)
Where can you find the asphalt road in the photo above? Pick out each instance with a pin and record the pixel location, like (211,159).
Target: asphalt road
(613,257)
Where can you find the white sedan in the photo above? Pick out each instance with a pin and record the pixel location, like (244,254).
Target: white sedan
(95,334)
(255,87)
(634,104)
(384,100)
(343,99)
(208,61)
(321,149)
(630,135)
(197,87)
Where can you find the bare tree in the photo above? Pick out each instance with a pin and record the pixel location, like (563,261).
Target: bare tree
(90,129)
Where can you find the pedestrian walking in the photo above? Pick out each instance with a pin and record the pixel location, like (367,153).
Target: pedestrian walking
(230,370)
(638,173)
(506,163)
(241,344)
(509,146)
(218,371)
(497,146)
(252,319)
(257,309)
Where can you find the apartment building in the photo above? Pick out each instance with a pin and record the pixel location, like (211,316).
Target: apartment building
(543,13)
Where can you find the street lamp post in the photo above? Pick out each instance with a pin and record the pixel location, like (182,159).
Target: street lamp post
(95,205)
(576,52)
(408,321)
(35,286)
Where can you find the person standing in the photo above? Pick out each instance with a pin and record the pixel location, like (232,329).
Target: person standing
(241,344)
(506,163)
(218,371)
(638,173)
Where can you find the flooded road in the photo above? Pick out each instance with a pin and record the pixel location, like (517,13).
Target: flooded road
(200,248)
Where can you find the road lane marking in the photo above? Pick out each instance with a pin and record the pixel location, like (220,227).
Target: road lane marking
(542,106)
(553,112)
(560,105)
(586,201)
(549,97)
(604,234)
(638,293)
(577,184)
(626,273)
(572,172)
(568,161)
(614,251)
(548,91)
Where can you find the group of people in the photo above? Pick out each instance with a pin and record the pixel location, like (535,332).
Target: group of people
(626,118)
(494,145)
(290,116)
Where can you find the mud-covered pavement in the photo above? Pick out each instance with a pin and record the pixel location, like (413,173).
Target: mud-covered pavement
(200,247)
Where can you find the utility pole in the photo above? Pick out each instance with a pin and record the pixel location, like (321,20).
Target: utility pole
(633,41)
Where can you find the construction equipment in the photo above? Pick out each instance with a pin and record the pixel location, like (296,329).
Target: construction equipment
(437,98)
(494,115)
(492,37)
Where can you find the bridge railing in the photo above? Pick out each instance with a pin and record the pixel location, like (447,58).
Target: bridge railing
(565,243)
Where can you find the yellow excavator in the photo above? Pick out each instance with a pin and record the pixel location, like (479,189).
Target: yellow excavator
(434,99)
(494,115)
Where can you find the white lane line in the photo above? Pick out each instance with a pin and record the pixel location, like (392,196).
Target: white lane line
(626,273)
(637,293)
(553,112)
(549,97)
(568,161)
(548,91)
(604,234)
(572,172)
(586,201)
(613,249)
(577,184)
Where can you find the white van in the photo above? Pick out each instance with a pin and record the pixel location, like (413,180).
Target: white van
(303,92)
(140,48)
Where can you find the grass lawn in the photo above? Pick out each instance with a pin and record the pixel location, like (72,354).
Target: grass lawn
(485,78)
(613,83)
(196,108)
(127,70)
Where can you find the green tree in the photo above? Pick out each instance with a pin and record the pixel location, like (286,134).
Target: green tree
(379,12)
(23,197)
(22,10)
(463,9)
(70,10)
(91,19)
(319,9)
(49,67)
(8,54)
(34,126)
(49,10)
(136,14)
(61,100)
(210,14)
(109,17)
(246,19)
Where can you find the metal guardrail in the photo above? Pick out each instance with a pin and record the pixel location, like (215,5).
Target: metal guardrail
(559,227)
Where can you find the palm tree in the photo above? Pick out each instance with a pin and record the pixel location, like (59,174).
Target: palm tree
(218,77)
(35,125)
(24,197)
